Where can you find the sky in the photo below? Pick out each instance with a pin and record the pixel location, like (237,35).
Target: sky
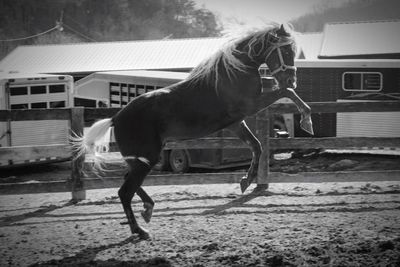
(257,12)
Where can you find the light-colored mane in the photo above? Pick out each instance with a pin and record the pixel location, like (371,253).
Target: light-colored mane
(208,70)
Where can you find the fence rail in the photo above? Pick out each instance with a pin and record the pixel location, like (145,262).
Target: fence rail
(80,117)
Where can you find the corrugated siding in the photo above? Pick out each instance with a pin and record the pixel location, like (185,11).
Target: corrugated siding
(130,55)
(109,56)
(368,124)
(39,132)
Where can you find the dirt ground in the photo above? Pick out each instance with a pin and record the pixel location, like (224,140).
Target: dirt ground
(326,224)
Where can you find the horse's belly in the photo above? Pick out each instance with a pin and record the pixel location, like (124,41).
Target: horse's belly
(195,129)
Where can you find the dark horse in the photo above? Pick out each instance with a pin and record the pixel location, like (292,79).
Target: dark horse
(219,93)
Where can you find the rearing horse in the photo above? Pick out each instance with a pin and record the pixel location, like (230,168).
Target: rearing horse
(219,93)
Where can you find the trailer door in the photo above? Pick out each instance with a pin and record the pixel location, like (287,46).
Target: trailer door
(44,132)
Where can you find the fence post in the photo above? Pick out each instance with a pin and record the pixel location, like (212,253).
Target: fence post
(77,125)
(263,134)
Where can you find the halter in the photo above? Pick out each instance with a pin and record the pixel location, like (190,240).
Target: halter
(282,66)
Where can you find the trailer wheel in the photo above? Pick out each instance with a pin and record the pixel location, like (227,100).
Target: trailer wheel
(179,161)
(163,163)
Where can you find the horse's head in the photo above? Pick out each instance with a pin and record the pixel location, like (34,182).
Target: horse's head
(280,57)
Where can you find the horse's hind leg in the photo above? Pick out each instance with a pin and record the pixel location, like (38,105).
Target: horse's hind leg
(138,169)
(245,134)
(148,204)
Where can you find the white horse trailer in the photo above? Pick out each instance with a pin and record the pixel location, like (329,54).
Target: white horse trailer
(34,91)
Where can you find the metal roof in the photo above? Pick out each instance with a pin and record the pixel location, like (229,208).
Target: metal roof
(30,77)
(86,58)
(310,44)
(131,76)
(378,39)
(109,56)
(348,63)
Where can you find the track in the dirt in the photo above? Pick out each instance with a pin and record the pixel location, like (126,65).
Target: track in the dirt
(347,224)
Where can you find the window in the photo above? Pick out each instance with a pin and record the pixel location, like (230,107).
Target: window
(57,104)
(140,89)
(149,88)
(57,88)
(20,106)
(19,90)
(132,91)
(362,81)
(40,89)
(39,105)
(83,102)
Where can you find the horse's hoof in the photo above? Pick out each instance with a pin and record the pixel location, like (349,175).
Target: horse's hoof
(260,188)
(143,233)
(148,212)
(306,125)
(244,183)
(144,236)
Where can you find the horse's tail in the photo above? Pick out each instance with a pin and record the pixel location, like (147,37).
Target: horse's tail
(94,141)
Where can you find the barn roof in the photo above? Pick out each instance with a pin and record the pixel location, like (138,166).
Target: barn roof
(376,39)
(310,45)
(86,58)
(131,76)
(110,56)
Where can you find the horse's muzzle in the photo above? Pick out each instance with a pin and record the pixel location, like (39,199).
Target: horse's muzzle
(291,82)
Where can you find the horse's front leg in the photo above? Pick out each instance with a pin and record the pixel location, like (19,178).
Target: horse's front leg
(305,110)
(245,134)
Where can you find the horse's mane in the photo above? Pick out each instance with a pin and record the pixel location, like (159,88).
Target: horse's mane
(207,70)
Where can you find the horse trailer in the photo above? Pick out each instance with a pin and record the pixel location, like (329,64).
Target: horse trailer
(34,91)
(344,80)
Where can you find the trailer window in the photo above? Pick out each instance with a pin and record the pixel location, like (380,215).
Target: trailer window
(362,81)
(140,89)
(20,106)
(39,89)
(84,102)
(57,88)
(23,90)
(149,88)
(121,93)
(57,104)
(39,105)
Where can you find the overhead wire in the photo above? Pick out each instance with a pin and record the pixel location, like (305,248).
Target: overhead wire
(59,26)
(32,36)
(78,33)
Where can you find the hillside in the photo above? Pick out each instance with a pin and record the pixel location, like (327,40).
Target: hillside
(26,22)
(358,10)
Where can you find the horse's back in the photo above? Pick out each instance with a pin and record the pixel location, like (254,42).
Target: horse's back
(180,111)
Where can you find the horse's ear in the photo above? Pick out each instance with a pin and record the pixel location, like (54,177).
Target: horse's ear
(283,31)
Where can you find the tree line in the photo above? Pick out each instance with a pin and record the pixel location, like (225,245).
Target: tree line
(121,20)
(102,20)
